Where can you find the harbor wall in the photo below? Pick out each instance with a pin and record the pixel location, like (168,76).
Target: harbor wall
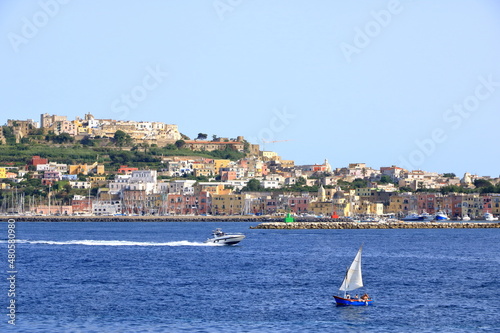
(370,225)
(265,222)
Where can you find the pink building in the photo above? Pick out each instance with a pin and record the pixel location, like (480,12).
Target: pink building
(179,204)
(426,202)
(54,210)
(227,175)
(299,205)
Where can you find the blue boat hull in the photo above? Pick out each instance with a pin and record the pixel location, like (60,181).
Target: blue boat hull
(349,301)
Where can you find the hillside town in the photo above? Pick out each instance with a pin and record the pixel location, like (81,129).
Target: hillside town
(260,183)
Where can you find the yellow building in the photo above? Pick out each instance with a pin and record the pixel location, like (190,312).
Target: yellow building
(3,173)
(287,163)
(220,164)
(203,169)
(228,204)
(212,188)
(85,169)
(270,156)
(324,208)
(495,205)
(402,204)
(364,191)
(203,172)
(99,180)
(369,208)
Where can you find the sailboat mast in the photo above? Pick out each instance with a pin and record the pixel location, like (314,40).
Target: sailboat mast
(345,279)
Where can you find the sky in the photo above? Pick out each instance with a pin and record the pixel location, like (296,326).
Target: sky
(412,83)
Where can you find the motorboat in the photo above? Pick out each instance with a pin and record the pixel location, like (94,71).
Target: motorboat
(417,217)
(466,218)
(441,216)
(220,237)
(411,217)
(370,219)
(426,217)
(489,217)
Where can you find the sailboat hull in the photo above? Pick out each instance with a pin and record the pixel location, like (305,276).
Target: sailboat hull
(349,301)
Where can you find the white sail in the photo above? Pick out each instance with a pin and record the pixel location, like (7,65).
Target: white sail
(353,279)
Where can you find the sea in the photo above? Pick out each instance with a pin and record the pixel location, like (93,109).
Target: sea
(162,277)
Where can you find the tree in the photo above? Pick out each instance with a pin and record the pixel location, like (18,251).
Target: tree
(201,136)
(449,175)
(482,183)
(61,138)
(121,138)
(385,179)
(359,183)
(180,143)
(86,141)
(405,189)
(301,181)
(253,185)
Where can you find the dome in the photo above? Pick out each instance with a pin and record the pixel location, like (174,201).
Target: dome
(339,195)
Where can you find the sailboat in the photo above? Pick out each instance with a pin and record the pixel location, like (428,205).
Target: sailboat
(353,280)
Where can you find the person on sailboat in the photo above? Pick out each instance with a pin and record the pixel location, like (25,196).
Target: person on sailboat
(356,297)
(365,297)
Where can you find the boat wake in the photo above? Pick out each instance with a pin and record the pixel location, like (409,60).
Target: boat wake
(91,242)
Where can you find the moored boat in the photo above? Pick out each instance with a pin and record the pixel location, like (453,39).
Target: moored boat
(416,217)
(441,216)
(489,217)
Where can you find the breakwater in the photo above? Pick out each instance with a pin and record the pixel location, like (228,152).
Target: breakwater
(369,225)
(172,218)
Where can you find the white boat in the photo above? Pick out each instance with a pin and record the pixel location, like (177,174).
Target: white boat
(426,217)
(353,280)
(441,216)
(415,217)
(466,218)
(220,237)
(489,217)
(411,217)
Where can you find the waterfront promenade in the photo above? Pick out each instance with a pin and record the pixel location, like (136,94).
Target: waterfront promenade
(264,222)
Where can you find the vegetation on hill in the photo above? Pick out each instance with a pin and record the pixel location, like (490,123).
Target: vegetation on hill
(114,152)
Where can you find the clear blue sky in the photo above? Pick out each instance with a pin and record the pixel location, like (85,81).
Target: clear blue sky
(411,83)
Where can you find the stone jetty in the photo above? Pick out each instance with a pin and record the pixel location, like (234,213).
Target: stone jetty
(373,225)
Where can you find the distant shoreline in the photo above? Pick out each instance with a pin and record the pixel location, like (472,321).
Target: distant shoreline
(265,222)
(170,218)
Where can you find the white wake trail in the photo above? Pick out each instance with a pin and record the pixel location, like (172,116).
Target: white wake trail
(91,242)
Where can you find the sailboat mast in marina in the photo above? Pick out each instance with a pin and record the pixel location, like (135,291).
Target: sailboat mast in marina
(353,280)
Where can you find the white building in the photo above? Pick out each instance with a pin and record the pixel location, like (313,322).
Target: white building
(112,207)
(181,186)
(80,184)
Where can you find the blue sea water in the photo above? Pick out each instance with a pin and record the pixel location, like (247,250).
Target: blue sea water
(161,277)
